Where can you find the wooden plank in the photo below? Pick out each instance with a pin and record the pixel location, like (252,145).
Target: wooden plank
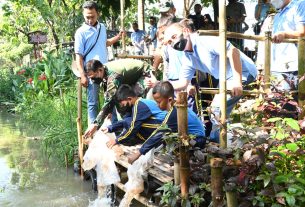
(161,170)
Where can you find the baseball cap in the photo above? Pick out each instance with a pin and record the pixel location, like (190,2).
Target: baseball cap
(165,6)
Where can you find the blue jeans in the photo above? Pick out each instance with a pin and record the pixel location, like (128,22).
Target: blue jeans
(93,100)
(215,107)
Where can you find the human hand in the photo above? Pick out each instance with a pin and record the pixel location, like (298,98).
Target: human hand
(122,33)
(151,81)
(104,129)
(191,90)
(133,157)
(111,143)
(237,89)
(90,131)
(84,81)
(278,37)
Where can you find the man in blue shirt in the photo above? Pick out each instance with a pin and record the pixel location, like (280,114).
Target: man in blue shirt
(152,33)
(85,37)
(203,54)
(289,22)
(137,39)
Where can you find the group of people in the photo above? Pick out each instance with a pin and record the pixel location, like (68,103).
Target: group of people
(126,82)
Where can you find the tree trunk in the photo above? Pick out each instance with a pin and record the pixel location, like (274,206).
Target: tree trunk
(188,4)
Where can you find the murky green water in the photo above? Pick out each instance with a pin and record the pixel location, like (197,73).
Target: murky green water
(27,179)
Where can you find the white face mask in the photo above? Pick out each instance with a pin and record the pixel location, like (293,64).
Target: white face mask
(278,4)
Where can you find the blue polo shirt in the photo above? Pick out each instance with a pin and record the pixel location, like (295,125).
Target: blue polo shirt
(85,37)
(205,57)
(284,56)
(173,58)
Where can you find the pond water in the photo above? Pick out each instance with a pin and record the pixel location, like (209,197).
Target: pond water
(27,179)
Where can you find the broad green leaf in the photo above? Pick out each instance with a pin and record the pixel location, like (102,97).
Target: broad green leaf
(282,179)
(275,119)
(280,135)
(292,147)
(290,200)
(292,123)
(301,180)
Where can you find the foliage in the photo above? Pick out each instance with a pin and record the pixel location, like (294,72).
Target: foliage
(171,195)
(47,97)
(48,76)
(6,93)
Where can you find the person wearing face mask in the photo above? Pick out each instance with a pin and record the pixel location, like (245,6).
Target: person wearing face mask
(203,54)
(112,75)
(289,22)
(91,43)
(145,118)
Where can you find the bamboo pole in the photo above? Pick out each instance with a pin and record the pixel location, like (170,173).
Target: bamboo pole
(216,181)
(216,91)
(141,14)
(267,64)
(301,75)
(223,72)
(245,92)
(150,57)
(176,171)
(231,195)
(241,36)
(79,126)
(122,4)
(181,105)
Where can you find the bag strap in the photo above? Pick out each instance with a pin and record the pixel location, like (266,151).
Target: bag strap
(92,46)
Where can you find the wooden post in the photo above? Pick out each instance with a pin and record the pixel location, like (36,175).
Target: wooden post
(122,4)
(181,105)
(223,72)
(216,181)
(301,75)
(176,171)
(141,14)
(231,195)
(79,126)
(267,63)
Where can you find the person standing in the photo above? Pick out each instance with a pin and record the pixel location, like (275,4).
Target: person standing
(261,10)
(152,33)
(91,43)
(137,39)
(236,14)
(198,18)
(289,22)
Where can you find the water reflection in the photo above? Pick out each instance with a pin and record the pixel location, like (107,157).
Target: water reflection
(27,178)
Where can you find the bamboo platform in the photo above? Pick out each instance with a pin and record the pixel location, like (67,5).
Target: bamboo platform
(162,171)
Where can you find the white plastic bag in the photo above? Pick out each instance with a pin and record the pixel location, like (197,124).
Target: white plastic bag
(135,172)
(100,157)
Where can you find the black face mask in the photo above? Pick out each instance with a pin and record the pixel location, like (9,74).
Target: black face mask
(180,44)
(125,109)
(97,80)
